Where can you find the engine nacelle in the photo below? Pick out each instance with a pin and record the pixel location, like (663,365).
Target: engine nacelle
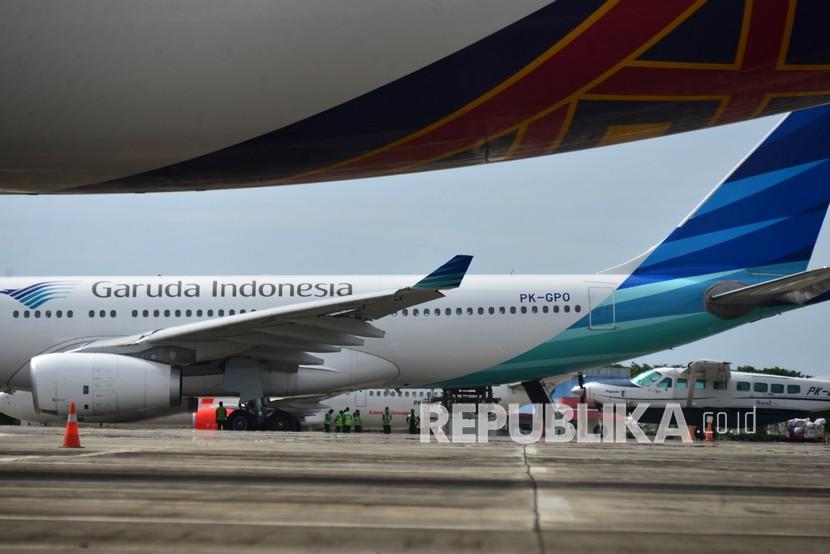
(102,384)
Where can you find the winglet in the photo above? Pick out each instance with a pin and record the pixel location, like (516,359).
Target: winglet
(448,276)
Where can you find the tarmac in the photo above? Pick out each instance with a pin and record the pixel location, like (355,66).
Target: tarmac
(191,491)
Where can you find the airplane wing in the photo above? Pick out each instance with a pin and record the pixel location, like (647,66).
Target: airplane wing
(288,334)
(799,288)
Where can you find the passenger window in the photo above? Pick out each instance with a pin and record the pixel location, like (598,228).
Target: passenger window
(155,313)
(231,312)
(16,314)
(198,313)
(240,311)
(178,313)
(665,383)
(502,310)
(426,312)
(415,312)
(86,389)
(760,387)
(437,311)
(37,313)
(512,309)
(719,385)
(102,313)
(188,313)
(112,313)
(742,386)
(458,311)
(135,313)
(145,313)
(567,308)
(491,310)
(220,313)
(700,384)
(166,313)
(91,313)
(48,313)
(59,313)
(556,309)
(544,309)
(524,309)
(210,313)
(793,389)
(386,393)
(682,383)
(535,309)
(470,311)
(26,314)
(405,312)
(70,313)
(407,394)
(577,308)
(777,388)
(481,311)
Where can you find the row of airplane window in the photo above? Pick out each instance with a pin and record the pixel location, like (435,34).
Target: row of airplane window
(48,314)
(415,393)
(415,312)
(742,386)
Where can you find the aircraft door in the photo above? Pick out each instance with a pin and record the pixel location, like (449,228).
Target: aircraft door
(360,398)
(602,314)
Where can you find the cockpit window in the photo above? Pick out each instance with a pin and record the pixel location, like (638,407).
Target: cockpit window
(647,379)
(665,383)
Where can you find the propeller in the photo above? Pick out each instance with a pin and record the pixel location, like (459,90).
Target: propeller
(580,377)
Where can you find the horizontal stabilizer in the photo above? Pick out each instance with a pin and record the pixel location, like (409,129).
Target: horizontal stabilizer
(799,288)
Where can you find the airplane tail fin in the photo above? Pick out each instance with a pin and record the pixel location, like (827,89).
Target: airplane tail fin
(764,217)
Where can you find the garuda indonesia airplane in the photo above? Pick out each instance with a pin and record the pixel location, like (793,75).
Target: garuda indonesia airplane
(107,96)
(127,344)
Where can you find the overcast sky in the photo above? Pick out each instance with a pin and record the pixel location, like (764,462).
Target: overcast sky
(569,213)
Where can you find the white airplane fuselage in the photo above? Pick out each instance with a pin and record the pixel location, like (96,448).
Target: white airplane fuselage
(426,349)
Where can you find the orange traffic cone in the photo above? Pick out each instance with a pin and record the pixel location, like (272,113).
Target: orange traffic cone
(710,436)
(71,439)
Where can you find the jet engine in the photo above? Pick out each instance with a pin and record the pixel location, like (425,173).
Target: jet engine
(103,384)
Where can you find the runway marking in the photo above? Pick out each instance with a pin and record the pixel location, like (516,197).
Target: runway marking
(62,457)
(214,522)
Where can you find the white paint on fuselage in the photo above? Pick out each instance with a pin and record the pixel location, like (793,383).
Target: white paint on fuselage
(99,89)
(372,403)
(426,349)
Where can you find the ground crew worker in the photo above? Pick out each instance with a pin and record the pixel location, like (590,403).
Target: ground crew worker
(387,421)
(358,427)
(338,422)
(221,416)
(327,420)
(348,420)
(413,421)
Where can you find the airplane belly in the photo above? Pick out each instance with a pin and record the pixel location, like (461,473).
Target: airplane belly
(103,89)
(124,96)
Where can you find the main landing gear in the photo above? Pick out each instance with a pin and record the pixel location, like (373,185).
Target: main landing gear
(254,416)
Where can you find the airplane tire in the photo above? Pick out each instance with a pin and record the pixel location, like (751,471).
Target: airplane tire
(241,421)
(281,421)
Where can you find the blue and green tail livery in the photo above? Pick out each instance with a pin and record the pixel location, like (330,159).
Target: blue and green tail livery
(764,218)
